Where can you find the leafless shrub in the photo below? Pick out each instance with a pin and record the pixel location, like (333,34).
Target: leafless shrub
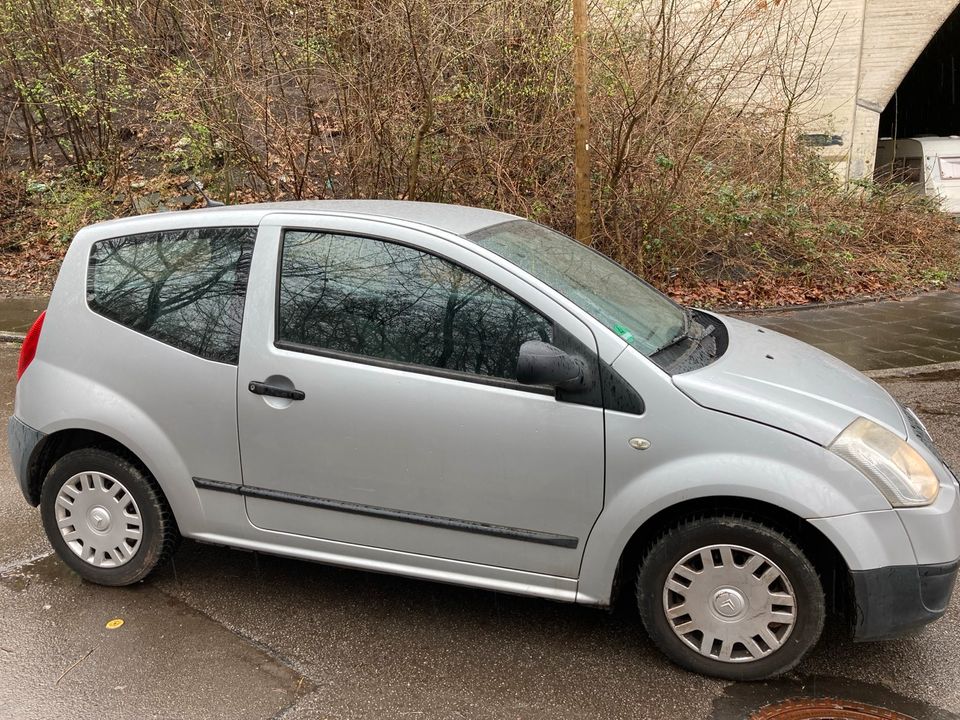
(67,66)
(698,173)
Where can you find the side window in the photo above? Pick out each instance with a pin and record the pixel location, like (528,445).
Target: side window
(183,287)
(382,300)
(908,170)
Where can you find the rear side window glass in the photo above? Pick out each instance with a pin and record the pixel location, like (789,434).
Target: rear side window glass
(382,300)
(183,287)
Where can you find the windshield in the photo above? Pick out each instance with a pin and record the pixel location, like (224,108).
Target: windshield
(642,316)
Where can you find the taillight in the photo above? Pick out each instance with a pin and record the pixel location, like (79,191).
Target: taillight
(29,348)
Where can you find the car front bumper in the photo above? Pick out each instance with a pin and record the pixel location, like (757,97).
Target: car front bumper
(892,601)
(22,441)
(895,600)
(902,562)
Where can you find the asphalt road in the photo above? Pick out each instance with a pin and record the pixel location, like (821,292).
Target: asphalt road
(226,634)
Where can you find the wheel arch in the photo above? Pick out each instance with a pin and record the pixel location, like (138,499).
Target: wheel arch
(822,553)
(58,444)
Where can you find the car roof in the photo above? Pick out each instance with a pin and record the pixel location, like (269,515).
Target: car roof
(456,219)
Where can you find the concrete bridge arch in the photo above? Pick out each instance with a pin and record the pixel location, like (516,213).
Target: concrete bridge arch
(879,42)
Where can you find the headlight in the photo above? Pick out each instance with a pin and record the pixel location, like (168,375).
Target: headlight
(898,471)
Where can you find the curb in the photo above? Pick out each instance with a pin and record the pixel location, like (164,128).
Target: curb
(915,371)
(953,289)
(775,309)
(7,336)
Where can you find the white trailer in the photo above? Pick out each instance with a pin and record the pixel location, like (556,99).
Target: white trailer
(930,164)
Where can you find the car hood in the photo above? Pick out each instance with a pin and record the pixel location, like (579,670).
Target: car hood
(775,380)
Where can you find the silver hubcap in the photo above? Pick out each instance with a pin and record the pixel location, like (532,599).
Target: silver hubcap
(730,603)
(99,519)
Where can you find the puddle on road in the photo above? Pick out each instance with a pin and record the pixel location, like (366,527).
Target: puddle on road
(48,568)
(854,701)
(15,580)
(18,314)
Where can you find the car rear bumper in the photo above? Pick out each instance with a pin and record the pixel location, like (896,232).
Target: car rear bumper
(892,601)
(22,440)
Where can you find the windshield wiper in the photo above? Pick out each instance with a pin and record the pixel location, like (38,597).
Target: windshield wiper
(679,337)
(685,334)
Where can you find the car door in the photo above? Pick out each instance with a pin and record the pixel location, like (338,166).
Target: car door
(404,427)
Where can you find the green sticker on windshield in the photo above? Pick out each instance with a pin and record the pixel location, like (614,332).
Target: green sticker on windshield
(623,332)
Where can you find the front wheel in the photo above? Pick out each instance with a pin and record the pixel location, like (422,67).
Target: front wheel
(730,597)
(105,517)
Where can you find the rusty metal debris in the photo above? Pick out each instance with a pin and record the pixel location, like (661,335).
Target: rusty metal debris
(825,709)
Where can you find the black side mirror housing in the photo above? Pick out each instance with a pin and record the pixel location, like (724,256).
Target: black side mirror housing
(541,363)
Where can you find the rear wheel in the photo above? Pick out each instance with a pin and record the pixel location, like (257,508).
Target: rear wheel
(730,597)
(105,517)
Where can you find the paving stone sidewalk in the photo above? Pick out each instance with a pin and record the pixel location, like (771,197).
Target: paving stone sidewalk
(876,336)
(870,336)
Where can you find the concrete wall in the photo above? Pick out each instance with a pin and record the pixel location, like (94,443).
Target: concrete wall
(877,41)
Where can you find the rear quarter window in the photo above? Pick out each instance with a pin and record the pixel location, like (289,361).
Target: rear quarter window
(185,288)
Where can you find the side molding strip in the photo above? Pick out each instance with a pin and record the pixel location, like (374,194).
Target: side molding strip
(511,533)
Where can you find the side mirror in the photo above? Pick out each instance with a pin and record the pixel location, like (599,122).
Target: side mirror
(541,363)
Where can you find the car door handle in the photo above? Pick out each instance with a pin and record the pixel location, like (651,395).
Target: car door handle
(262,388)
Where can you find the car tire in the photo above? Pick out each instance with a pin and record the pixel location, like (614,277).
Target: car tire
(753,610)
(106,517)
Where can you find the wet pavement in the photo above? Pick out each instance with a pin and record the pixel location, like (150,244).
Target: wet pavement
(222,633)
(876,336)
(18,314)
(166,660)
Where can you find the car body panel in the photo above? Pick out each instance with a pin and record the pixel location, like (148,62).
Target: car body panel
(182,422)
(441,446)
(221,527)
(188,438)
(933,533)
(453,219)
(787,384)
(695,453)
(22,443)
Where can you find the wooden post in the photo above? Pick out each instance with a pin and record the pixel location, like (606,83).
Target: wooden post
(581,133)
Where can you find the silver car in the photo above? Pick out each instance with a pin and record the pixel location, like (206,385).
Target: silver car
(464,396)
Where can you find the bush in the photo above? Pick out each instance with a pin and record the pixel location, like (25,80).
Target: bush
(700,181)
